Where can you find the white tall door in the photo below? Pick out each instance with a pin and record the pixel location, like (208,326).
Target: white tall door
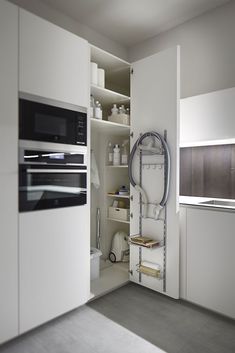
(8,171)
(155,107)
(54,247)
(54,63)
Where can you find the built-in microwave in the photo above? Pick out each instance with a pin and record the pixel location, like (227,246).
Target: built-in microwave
(47,120)
(50,178)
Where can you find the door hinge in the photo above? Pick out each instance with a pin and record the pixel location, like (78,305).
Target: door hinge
(132,71)
(131,272)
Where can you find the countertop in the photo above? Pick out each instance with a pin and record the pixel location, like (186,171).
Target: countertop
(196,202)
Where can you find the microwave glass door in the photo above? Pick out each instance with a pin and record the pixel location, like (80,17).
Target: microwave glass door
(49,123)
(44,187)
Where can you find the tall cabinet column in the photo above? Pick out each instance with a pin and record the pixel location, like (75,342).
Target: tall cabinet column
(8,170)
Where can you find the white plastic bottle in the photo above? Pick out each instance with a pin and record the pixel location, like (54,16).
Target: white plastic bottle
(92,106)
(98,110)
(114,110)
(116,155)
(124,157)
(110,153)
(122,109)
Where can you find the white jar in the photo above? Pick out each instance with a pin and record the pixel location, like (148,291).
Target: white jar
(116,155)
(101,77)
(94,73)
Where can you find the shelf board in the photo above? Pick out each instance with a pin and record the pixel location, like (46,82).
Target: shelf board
(117,166)
(118,220)
(107,61)
(119,196)
(110,128)
(108,97)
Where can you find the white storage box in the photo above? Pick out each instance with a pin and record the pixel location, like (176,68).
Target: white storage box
(95,263)
(120,119)
(121,214)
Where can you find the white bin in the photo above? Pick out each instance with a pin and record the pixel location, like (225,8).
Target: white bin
(95,263)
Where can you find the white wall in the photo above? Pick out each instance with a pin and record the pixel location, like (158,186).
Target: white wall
(207,50)
(66,22)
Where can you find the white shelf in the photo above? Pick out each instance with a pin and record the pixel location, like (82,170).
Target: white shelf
(110,128)
(118,220)
(108,97)
(107,61)
(119,196)
(117,166)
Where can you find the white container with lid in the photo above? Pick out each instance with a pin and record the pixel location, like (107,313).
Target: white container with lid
(95,263)
(93,73)
(101,77)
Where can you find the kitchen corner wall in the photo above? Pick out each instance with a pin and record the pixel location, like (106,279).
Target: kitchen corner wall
(55,16)
(207,50)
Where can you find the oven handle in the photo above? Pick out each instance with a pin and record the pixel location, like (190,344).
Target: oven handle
(62,171)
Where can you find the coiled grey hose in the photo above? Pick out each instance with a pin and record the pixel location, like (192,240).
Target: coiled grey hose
(167,164)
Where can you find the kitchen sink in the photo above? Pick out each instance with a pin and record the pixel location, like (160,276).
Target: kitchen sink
(218,203)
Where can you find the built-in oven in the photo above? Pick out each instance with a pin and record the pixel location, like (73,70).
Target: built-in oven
(47,120)
(50,178)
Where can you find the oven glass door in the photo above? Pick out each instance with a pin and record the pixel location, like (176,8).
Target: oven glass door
(44,187)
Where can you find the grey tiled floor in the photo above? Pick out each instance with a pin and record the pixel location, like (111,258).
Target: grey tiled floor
(174,326)
(132,319)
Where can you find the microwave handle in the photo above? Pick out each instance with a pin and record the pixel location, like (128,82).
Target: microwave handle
(64,171)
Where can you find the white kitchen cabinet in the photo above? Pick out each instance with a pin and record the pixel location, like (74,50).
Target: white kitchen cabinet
(183,252)
(8,171)
(53,62)
(210,260)
(208,117)
(54,248)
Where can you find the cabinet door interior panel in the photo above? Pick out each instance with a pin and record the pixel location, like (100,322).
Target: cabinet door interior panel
(8,171)
(155,107)
(53,62)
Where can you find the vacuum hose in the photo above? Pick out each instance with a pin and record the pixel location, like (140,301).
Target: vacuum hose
(138,144)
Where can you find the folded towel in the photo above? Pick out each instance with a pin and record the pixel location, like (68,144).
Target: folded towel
(150,269)
(151,265)
(95,179)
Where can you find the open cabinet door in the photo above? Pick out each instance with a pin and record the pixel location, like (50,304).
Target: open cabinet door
(155,98)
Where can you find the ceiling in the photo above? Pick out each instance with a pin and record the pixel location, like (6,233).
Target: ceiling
(129,22)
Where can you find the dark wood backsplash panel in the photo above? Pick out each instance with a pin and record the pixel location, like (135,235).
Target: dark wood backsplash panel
(186,171)
(198,184)
(208,171)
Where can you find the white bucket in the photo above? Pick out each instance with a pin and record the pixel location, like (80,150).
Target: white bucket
(95,263)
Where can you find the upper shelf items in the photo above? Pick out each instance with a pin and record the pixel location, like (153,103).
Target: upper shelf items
(117,71)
